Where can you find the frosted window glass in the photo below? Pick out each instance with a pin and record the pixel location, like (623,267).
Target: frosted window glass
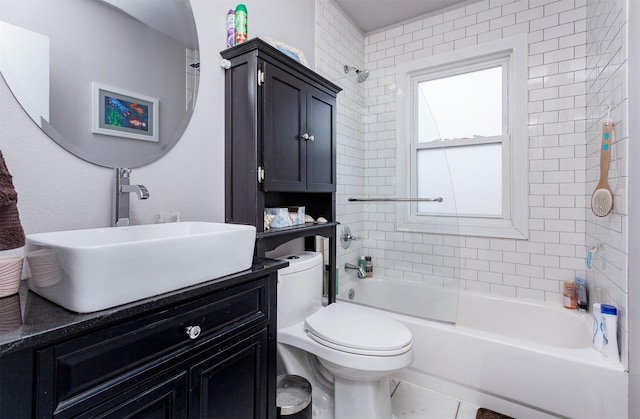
(468,178)
(461,106)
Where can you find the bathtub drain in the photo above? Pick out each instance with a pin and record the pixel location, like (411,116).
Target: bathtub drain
(352,293)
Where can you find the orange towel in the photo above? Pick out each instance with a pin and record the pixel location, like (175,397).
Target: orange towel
(11,232)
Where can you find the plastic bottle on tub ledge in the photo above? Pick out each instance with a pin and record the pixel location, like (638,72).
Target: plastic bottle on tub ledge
(362,263)
(569,298)
(598,326)
(610,333)
(582,298)
(369,266)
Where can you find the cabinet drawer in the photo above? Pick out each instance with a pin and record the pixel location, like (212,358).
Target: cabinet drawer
(106,357)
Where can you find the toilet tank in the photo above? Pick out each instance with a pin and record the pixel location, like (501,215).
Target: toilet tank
(299,288)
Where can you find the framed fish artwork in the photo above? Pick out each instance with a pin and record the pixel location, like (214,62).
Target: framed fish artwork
(120,113)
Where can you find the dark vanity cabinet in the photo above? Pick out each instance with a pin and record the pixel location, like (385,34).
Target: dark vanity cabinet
(208,355)
(280,131)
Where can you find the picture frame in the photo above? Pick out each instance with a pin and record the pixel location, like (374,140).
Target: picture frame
(121,113)
(288,50)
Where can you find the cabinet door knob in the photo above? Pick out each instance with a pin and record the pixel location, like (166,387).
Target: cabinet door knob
(308,137)
(193,331)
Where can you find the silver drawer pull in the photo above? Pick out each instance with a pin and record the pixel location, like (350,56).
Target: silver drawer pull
(193,331)
(308,137)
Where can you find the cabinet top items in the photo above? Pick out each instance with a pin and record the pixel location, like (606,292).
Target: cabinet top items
(265,50)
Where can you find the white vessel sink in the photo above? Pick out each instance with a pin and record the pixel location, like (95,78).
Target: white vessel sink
(95,269)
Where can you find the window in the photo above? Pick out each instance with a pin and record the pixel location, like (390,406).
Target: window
(464,139)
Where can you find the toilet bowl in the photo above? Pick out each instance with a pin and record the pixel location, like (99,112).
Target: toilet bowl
(346,352)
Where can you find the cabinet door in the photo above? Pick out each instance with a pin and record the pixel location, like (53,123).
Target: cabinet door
(284,111)
(167,399)
(231,382)
(321,153)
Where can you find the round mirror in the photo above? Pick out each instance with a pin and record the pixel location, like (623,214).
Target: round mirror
(112,81)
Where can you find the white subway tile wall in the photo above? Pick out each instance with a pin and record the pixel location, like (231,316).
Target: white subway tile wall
(577,64)
(606,85)
(339,43)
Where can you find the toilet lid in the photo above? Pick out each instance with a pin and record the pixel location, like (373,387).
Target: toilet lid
(353,329)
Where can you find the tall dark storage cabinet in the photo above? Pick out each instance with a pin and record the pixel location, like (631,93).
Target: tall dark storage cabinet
(280,145)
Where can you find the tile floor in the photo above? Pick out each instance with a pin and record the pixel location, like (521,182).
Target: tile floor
(409,401)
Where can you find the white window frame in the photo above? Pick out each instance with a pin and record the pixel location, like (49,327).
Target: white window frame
(514,223)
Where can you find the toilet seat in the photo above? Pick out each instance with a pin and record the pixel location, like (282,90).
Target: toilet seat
(352,329)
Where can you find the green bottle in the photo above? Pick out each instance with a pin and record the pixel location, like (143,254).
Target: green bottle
(241,24)
(362,263)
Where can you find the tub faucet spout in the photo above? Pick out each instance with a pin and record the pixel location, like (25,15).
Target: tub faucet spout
(121,197)
(361,272)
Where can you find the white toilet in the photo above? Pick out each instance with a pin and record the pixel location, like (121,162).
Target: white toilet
(346,352)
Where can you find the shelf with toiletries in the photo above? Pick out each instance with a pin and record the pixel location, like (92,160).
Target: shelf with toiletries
(273,238)
(280,145)
(290,229)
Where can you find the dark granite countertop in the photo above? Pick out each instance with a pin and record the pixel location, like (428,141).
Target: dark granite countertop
(28,320)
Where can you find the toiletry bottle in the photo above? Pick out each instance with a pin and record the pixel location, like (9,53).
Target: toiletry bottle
(609,333)
(598,342)
(231,28)
(369,266)
(363,266)
(569,295)
(582,300)
(241,24)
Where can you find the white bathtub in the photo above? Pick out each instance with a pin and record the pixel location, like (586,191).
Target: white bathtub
(523,359)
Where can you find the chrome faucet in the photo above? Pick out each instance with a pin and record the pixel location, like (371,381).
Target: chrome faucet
(121,198)
(361,272)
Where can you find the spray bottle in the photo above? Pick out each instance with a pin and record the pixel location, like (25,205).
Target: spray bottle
(241,24)
(231,28)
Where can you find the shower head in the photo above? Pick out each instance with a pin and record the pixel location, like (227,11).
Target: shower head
(361,75)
